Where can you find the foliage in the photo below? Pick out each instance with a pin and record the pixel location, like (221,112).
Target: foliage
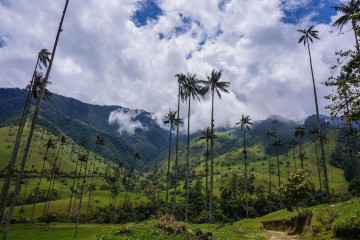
(296,191)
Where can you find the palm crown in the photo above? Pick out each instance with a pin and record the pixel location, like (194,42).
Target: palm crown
(213,83)
(350,11)
(308,34)
(245,122)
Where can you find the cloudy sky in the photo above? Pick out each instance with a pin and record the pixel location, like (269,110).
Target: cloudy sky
(127,52)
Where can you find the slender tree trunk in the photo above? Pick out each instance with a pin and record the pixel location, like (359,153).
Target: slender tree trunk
(301,155)
(206,180)
(73,188)
(319,129)
(187,166)
(176,153)
(168,170)
(270,182)
(81,197)
(278,164)
(246,181)
(211,159)
(38,185)
(319,170)
(11,165)
(32,127)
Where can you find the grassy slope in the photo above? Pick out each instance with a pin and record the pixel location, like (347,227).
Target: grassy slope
(347,213)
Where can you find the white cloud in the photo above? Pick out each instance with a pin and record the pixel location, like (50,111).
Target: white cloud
(103,58)
(125,119)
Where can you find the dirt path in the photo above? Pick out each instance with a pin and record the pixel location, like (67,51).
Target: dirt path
(275,235)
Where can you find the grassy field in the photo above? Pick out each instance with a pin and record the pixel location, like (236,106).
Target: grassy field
(327,218)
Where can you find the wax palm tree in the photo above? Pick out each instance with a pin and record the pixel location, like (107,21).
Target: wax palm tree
(315,133)
(207,135)
(43,58)
(82,144)
(99,142)
(54,170)
(351,12)
(136,156)
(214,85)
(300,133)
(32,128)
(245,125)
(293,143)
(277,144)
(308,35)
(192,89)
(270,134)
(50,144)
(171,120)
(83,158)
(181,97)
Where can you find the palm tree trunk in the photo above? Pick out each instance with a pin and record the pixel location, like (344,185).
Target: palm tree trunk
(168,170)
(81,197)
(211,159)
(32,127)
(176,153)
(206,180)
(246,183)
(187,166)
(72,189)
(278,164)
(10,170)
(319,129)
(318,168)
(301,155)
(270,183)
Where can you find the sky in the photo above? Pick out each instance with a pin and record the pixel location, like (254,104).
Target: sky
(128,52)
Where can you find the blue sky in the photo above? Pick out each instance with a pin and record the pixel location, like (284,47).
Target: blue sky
(127,52)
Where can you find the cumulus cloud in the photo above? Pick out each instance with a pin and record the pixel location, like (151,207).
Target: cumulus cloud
(125,119)
(104,58)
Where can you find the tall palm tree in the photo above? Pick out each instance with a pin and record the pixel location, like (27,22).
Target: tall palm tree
(277,144)
(32,127)
(300,133)
(293,143)
(351,12)
(84,159)
(50,144)
(192,89)
(270,134)
(136,156)
(43,59)
(308,35)
(82,144)
(53,172)
(181,97)
(207,135)
(315,133)
(245,125)
(214,85)
(171,120)
(99,142)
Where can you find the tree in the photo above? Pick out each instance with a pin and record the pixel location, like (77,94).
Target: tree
(245,125)
(293,143)
(207,135)
(296,191)
(192,89)
(270,134)
(314,132)
(277,144)
(351,12)
(300,133)
(308,35)
(50,144)
(181,96)
(32,127)
(84,158)
(172,120)
(43,58)
(99,142)
(136,156)
(54,170)
(213,84)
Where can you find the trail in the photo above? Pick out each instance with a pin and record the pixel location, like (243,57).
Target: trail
(276,235)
